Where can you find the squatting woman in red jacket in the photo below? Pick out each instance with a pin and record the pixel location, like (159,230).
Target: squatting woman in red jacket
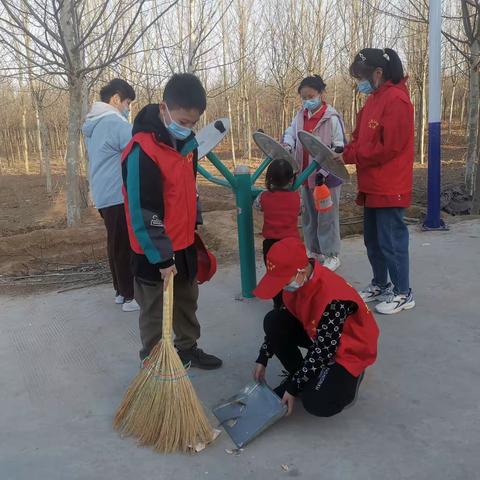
(382,149)
(323,314)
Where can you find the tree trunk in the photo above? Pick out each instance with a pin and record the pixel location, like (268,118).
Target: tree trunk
(244,125)
(44,145)
(352,112)
(464,102)
(418,122)
(191,37)
(284,115)
(39,143)
(239,128)
(225,85)
(334,101)
(248,131)
(423,114)
(5,146)
(25,136)
(17,138)
(232,139)
(68,22)
(473,121)
(452,103)
(73,141)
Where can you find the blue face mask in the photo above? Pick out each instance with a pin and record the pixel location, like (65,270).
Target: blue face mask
(126,113)
(312,103)
(365,87)
(294,286)
(178,131)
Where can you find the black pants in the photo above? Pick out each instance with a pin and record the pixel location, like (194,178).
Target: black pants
(267,245)
(328,393)
(118,249)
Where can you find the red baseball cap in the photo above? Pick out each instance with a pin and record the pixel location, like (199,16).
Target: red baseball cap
(284,260)
(206,261)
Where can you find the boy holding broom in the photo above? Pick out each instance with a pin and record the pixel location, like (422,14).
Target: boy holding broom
(159,169)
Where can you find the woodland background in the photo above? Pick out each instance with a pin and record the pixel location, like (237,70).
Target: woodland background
(250,54)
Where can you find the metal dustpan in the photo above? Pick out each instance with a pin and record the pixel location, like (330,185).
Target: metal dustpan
(250,412)
(272,149)
(325,157)
(211,135)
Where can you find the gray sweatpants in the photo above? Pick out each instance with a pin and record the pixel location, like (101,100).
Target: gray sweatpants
(321,231)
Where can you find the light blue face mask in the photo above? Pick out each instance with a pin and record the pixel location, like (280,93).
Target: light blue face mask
(365,87)
(178,131)
(312,103)
(294,286)
(126,113)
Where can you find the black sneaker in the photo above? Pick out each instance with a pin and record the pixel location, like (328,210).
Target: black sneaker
(199,359)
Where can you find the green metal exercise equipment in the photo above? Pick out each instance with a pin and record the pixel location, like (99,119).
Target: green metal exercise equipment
(242,183)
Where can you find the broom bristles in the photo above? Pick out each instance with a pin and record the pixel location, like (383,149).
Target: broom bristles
(161,408)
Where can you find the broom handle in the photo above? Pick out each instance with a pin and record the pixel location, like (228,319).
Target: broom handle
(168,309)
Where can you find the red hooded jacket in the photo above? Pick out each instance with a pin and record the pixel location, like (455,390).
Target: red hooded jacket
(382,148)
(357,348)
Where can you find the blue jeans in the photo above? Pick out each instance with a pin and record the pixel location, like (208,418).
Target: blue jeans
(386,239)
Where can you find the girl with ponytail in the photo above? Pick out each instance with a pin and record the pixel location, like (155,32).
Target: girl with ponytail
(382,149)
(321,230)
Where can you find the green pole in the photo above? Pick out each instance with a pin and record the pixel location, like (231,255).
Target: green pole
(305,174)
(260,169)
(212,178)
(246,242)
(221,168)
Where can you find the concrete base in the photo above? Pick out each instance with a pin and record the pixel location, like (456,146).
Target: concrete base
(66,360)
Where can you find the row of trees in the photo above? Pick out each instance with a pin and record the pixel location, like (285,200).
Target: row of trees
(250,54)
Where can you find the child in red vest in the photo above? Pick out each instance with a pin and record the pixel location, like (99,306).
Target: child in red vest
(281,208)
(323,314)
(159,169)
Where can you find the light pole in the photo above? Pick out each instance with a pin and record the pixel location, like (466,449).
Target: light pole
(433,220)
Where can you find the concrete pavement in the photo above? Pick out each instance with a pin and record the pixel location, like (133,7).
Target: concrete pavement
(66,360)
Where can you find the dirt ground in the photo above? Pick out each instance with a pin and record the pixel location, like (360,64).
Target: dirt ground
(35,244)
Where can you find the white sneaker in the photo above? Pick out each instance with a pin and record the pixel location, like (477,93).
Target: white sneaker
(375,293)
(332,263)
(119,300)
(130,306)
(396,303)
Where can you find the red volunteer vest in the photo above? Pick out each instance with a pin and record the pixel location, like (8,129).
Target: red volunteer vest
(358,344)
(280,214)
(179,191)
(309,125)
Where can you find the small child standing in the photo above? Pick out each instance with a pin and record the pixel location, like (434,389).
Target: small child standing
(281,208)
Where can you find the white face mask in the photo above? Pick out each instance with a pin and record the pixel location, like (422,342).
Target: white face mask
(294,286)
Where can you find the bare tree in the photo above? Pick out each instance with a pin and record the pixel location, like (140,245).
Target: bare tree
(285,56)
(471,24)
(74,41)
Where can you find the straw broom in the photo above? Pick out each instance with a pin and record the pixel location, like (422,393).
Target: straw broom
(160,407)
